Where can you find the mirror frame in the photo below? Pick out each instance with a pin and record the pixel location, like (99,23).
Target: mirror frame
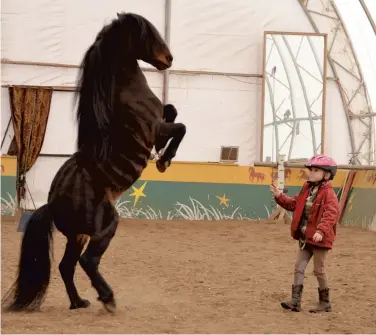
(325,36)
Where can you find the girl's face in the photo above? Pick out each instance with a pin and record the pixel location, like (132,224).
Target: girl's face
(316,174)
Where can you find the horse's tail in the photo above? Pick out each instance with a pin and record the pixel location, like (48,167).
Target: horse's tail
(34,265)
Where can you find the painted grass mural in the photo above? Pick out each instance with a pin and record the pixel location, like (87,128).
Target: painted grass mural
(360,209)
(8,185)
(8,204)
(195,201)
(192,210)
(212,191)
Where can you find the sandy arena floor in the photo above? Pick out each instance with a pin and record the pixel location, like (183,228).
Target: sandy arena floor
(204,277)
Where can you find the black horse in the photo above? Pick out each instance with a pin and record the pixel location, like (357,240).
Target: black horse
(119,122)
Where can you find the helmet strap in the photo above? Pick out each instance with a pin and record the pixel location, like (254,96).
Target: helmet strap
(316,183)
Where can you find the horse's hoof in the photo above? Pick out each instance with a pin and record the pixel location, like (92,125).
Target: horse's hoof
(109,303)
(83,303)
(162,167)
(110,306)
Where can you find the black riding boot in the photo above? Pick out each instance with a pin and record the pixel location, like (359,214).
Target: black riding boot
(296,297)
(324,302)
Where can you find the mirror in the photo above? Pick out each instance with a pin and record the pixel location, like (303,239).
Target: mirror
(293,95)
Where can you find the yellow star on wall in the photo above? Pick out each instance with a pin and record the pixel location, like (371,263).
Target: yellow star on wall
(138,192)
(223,200)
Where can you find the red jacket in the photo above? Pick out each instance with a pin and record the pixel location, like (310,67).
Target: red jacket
(323,216)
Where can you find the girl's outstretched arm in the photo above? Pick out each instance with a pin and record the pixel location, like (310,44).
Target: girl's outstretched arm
(287,202)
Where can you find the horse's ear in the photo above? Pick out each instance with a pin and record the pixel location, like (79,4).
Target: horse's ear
(120,15)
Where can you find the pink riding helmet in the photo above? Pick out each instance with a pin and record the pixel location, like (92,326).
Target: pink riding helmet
(323,162)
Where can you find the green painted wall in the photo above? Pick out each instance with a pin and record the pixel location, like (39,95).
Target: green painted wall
(180,200)
(197,201)
(361,208)
(214,201)
(8,195)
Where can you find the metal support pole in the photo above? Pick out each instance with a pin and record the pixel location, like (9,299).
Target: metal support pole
(369,16)
(166,73)
(301,165)
(373,25)
(145,69)
(281,172)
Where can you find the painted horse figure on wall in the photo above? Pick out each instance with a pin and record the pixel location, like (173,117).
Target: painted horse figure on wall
(119,122)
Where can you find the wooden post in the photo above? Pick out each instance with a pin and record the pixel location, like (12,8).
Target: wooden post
(281,214)
(281,172)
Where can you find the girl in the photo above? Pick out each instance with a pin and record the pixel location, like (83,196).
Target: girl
(314,222)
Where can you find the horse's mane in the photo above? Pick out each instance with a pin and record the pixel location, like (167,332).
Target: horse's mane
(97,82)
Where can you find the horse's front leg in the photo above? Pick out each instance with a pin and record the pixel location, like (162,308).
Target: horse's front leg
(176,131)
(113,195)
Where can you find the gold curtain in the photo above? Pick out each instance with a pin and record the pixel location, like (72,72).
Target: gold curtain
(30,108)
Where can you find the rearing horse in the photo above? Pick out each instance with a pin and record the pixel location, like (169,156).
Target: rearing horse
(119,122)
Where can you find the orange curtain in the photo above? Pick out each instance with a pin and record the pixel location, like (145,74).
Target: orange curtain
(30,108)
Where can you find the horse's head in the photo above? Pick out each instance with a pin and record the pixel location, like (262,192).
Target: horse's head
(110,60)
(144,41)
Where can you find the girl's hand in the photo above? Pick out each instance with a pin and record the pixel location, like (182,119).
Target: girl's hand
(317,237)
(274,189)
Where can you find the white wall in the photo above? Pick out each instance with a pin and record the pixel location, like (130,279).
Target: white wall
(228,35)
(60,31)
(217,111)
(7,133)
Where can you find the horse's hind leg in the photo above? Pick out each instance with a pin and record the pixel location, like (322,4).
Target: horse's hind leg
(67,267)
(90,260)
